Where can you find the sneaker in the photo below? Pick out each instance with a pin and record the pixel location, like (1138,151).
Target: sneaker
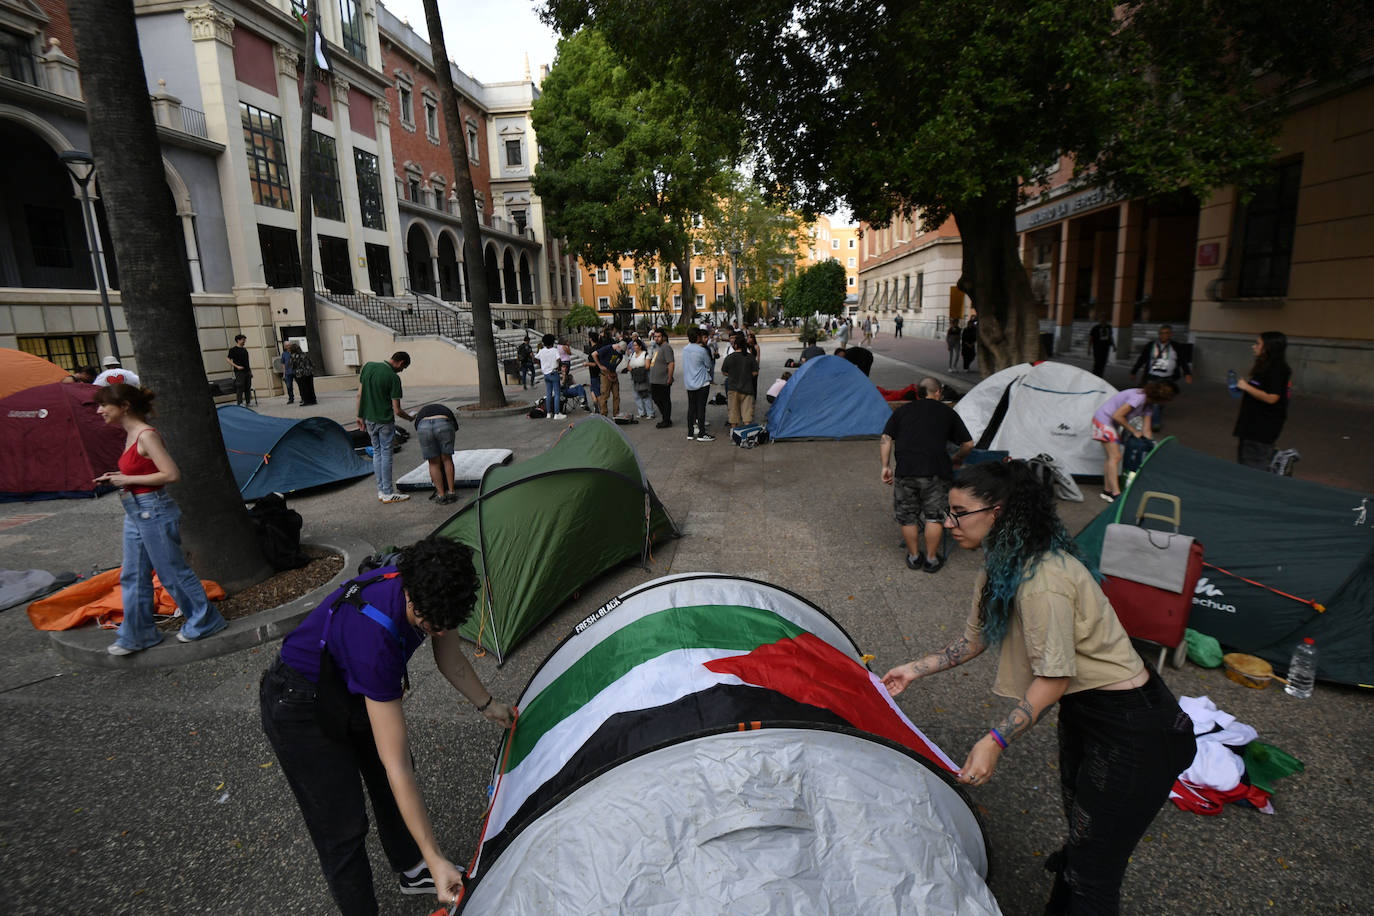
(182,637)
(560,416)
(448,498)
(691,437)
(933,566)
(663,424)
(706,437)
(392,497)
(116,649)
(914,563)
(423,883)
(1109,497)
(435,497)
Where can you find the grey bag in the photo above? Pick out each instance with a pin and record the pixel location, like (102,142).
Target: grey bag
(1157,558)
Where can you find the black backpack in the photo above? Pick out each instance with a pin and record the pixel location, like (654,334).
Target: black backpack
(279,532)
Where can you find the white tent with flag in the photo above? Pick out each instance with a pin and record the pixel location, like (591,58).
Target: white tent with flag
(706,743)
(1041,409)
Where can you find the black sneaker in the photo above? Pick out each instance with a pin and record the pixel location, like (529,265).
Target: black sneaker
(933,566)
(423,883)
(914,562)
(705,437)
(663,425)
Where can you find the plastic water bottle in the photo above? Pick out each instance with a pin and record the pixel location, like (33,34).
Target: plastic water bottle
(1302,670)
(1231,380)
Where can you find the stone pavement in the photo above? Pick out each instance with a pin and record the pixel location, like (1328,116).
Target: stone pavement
(153,791)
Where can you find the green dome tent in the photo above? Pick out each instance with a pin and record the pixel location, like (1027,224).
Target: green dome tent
(1283,558)
(527,527)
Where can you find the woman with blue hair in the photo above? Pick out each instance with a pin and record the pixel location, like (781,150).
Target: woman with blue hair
(1122,737)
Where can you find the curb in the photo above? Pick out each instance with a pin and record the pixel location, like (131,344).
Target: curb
(471,411)
(87,645)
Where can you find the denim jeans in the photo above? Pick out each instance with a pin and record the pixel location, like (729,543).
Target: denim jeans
(526,375)
(553,387)
(382,435)
(288,381)
(152,543)
(323,773)
(1119,752)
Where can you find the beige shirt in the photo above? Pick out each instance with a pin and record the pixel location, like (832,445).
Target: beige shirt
(1063,626)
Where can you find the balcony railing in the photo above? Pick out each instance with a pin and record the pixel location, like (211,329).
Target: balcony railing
(19,64)
(193,122)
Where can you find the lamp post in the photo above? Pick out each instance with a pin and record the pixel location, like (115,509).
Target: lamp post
(82,167)
(735,251)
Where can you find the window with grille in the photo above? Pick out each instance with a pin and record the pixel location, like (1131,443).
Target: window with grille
(268,177)
(514,155)
(281,258)
(1266,226)
(603,303)
(407,100)
(601,275)
(325,163)
(70,351)
(473,149)
(627,275)
(351,20)
(369,189)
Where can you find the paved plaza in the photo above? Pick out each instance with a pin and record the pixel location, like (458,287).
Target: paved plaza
(154,791)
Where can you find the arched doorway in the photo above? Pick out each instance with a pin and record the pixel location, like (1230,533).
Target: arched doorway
(509,287)
(419,260)
(526,280)
(450,286)
(493,275)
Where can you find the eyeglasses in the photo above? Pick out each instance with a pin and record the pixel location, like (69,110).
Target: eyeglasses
(954,517)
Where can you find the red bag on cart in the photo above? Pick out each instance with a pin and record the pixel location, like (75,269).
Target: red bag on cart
(1149,577)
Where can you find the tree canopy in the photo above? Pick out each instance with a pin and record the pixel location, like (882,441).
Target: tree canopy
(939,107)
(817,290)
(747,233)
(626,161)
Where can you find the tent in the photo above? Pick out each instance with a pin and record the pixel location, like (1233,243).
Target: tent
(279,455)
(53,444)
(543,528)
(20,370)
(827,398)
(1044,408)
(718,740)
(1273,549)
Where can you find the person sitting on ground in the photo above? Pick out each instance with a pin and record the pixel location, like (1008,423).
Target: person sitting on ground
(776,388)
(331,709)
(435,428)
(1112,421)
(919,432)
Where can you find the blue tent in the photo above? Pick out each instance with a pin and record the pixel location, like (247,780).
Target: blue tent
(277,455)
(828,398)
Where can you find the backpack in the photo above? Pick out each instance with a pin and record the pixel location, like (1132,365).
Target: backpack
(537,412)
(279,532)
(748,436)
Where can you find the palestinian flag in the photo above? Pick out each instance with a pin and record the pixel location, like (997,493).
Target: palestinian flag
(321,59)
(678,658)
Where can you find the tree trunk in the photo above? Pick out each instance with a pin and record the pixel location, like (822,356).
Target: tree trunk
(219,538)
(994,278)
(683,263)
(307,192)
(490,391)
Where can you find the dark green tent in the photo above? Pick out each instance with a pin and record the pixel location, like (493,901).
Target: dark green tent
(543,528)
(1275,549)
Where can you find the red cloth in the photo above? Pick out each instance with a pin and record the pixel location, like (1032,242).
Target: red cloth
(1209,801)
(899,394)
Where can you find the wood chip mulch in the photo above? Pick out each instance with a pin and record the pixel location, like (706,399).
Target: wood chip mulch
(280,589)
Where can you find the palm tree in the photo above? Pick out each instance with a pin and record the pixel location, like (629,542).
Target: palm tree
(489,388)
(217,533)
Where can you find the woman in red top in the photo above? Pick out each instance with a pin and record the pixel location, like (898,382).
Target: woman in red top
(152,528)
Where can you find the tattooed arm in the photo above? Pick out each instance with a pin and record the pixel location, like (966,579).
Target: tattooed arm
(956,653)
(1043,693)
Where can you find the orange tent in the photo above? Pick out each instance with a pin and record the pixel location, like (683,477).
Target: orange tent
(98,599)
(20,370)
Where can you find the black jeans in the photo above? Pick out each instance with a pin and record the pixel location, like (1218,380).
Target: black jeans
(243,386)
(1100,355)
(696,409)
(1119,753)
(323,773)
(306,385)
(663,400)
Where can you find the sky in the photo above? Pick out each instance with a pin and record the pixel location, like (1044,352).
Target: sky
(487,39)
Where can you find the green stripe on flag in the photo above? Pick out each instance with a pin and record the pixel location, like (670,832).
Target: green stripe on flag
(730,627)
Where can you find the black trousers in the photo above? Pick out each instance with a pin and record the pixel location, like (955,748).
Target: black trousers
(327,777)
(1100,360)
(1119,753)
(696,409)
(243,386)
(663,400)
(306,384)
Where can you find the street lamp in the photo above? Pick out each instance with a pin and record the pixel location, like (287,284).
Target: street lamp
(82,167)
(735,251)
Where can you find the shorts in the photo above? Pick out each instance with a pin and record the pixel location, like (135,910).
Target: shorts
(1103,432)
(436,436)
(917,499)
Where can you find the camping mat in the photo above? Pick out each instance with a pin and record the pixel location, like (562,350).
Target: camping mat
(468,468)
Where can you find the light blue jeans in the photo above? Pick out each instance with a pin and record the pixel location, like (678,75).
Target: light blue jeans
(152,543)
(382,434)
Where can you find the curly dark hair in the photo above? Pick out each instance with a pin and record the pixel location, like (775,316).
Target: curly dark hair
(1026,529)
(440,579)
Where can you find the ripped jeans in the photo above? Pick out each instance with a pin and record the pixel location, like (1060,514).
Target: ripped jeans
(1119,753)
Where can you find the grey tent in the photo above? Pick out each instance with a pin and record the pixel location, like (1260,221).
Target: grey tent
(1284,558)
(712,744)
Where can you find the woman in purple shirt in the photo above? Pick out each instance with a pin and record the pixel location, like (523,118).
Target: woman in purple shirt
(1113,420)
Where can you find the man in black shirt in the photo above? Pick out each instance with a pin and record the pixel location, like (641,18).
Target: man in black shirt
(921,430)
(1101,343)
(237,358)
